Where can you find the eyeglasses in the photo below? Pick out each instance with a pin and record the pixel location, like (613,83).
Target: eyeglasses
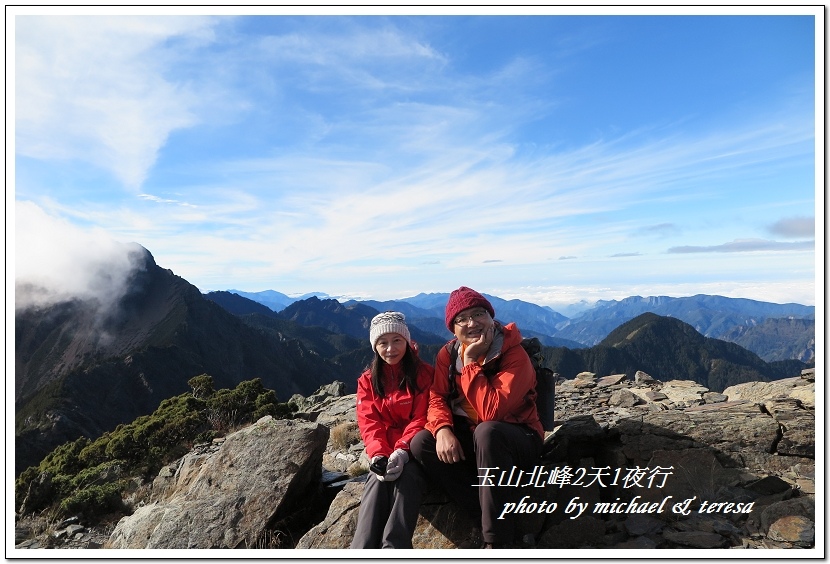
(465,319)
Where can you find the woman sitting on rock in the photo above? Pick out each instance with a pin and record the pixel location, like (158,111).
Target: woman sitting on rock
(392,398)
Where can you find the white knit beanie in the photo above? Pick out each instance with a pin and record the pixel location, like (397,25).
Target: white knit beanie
(388,322)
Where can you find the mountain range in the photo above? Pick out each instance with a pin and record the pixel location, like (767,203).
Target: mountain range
(669,349)
(78,373)
(81,373)
(772,331)
(665,347)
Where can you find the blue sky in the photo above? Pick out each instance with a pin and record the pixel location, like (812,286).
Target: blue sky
(550,158)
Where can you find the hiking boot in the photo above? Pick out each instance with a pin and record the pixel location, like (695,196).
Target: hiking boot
(474,540)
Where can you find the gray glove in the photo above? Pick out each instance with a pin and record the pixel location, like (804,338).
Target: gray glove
(396,463)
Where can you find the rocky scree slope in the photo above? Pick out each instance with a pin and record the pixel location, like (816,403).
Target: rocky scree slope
(297,484)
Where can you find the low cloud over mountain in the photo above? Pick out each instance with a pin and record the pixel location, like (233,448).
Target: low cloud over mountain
(57,262)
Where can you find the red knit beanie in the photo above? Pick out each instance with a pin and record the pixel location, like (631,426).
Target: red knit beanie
(465,298)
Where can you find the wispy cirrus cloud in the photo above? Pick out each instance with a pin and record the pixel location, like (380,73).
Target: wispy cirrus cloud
(660,230)
(96,89)
(300,210)
(746,246)
(160,200)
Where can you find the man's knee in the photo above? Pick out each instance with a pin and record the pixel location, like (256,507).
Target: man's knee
(422,444)
(488,433)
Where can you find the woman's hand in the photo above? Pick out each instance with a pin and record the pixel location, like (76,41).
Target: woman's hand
(448,446)
(395,466)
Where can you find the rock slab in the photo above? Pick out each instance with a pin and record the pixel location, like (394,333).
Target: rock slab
(228,498)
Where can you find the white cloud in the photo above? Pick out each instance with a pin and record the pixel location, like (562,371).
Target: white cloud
(325,59)
(56,261)
(459,206)
(95,89)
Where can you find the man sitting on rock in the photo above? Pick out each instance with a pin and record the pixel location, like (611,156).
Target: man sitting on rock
(482,414)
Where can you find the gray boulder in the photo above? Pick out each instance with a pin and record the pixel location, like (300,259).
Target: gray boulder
(337,529)
(227,499)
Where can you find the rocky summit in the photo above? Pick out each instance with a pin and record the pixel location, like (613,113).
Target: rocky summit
(631,464)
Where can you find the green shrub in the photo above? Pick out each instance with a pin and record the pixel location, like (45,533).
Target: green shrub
(107,472)
(202,385)
(88,477)
(65,458)
(95,453)
(94,500)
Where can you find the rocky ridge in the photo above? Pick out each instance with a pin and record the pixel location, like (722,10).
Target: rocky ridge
(754,443)
(642,444)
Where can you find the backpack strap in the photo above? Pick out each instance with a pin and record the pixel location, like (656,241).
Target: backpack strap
(452,349)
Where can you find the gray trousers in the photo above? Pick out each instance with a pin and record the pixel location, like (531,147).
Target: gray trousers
(389,510)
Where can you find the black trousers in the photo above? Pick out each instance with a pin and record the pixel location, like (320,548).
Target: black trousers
(493,444)
(389,510)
